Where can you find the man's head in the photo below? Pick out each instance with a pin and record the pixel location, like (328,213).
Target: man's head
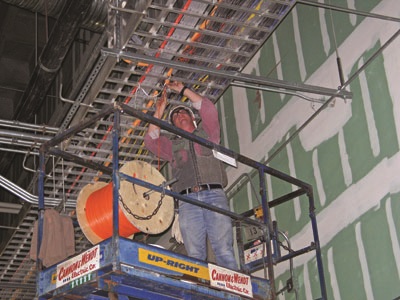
(183,118)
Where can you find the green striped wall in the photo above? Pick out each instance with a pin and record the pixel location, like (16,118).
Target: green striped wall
(349,153)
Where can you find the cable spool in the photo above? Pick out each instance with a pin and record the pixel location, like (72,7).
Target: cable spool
(152,215)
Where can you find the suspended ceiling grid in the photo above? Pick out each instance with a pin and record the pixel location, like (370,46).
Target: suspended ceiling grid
(193,36)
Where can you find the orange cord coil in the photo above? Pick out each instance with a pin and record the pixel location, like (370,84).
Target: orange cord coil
(136,213)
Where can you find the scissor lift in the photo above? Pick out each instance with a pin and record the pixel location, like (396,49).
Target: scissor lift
(119,268)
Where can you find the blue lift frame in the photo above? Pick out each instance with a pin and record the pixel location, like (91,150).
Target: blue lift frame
(112,269)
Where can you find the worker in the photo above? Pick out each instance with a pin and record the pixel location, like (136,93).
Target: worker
(199,175)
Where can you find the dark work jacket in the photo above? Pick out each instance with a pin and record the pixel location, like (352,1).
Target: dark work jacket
(194,164)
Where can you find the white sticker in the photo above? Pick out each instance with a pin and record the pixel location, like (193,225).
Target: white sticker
(255,253)
(230,280)
(78,266)
(225,158)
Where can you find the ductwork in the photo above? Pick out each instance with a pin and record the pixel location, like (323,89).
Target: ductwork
(94,20)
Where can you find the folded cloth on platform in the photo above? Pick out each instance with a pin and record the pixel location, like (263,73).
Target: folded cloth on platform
(58,240)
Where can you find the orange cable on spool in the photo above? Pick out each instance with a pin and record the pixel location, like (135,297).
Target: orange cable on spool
(99,214)
(150,214)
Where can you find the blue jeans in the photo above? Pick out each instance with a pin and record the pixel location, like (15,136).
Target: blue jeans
(198,223)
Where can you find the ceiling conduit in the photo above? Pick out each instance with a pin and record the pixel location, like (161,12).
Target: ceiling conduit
(94,20)
(71,17)
(52,57)
(28,197)
(72,14)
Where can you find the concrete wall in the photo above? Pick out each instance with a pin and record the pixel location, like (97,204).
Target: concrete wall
(349,153)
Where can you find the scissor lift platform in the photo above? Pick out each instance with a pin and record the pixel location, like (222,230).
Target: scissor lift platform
(125,269)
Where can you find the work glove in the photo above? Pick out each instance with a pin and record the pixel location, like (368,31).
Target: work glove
(176,231)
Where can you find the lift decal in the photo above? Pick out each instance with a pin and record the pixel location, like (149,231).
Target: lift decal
(173,264)
(78,266)
(230,280)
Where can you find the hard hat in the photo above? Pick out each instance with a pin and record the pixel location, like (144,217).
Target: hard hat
(178,108)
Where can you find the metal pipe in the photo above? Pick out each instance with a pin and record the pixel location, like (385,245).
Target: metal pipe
(42,167)
(27,197)
(275,90)
(28,126)
(318,255)
(267,221)
(296,253)
(16,190)
(115,188)
(287,197)
(230,75)
(16,134)
(22,143)
(290,262)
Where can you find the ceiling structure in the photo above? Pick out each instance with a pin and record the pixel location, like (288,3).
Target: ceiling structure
(97,54)
(62,62)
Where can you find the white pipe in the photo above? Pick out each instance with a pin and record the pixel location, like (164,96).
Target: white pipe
(32,199)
